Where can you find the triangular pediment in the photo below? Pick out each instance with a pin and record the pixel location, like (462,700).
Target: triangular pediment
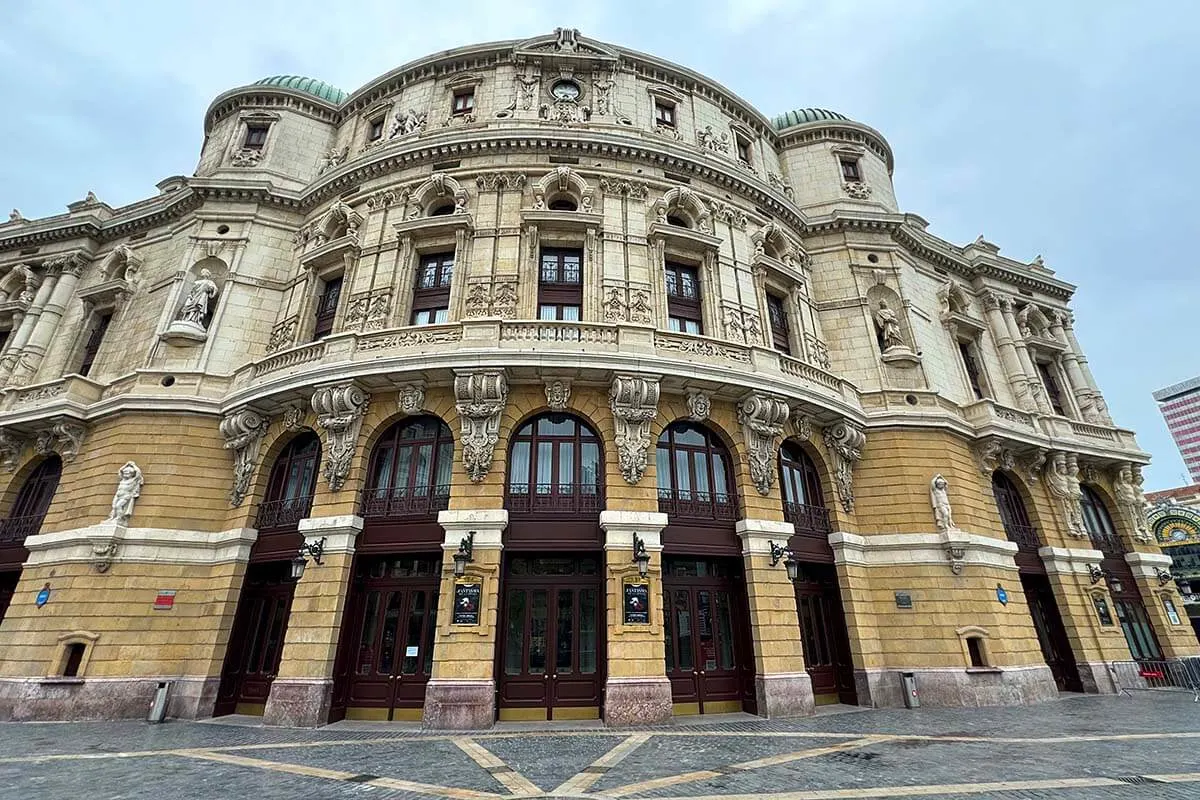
(566,43)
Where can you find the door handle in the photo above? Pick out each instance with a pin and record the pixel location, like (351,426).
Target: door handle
(695,673)
(701,672)
(546,676)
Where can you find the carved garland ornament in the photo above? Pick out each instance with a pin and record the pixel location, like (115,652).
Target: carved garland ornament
(480,398)
(844,441)
(340,411)
(634,404)
(243,431)
(762,419)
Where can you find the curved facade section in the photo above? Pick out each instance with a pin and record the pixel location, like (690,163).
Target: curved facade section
(505,387)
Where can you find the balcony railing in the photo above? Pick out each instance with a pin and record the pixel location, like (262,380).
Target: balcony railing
(14,530)
(1025,536)
(715,506)
(283,513)
(404,503)
(807,519)
(547,498)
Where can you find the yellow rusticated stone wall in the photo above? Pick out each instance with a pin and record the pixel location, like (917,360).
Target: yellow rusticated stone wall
(468,651)
(635,650)
(315,620)
(774,629)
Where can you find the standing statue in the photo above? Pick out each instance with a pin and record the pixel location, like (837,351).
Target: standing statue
(1131,502)
(939,498)
(1062,479)
(195,307)
(889,327)
(129,489)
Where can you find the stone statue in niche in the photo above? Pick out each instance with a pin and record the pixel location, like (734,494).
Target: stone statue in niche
(195,313)
(129,489)
(890,337)
(939,498)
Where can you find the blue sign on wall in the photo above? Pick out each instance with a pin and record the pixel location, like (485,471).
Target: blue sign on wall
(1002,595)
(43,596)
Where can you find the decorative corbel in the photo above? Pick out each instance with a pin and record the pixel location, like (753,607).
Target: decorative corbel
(410,399)
(64,436)
(762,419)
(699,405)
(11,447)
(340,409)
(243,431)
(801,424)
(480,398)
(634,403)
(991,455)
(845,441)
(558,393)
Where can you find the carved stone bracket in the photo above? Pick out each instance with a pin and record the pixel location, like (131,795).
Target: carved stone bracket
(845,441)
(480,398)
(11,446)
(992,454)
(410,399)
(558,393)
(955,543)
(801,425)
(64,437)
(243,431)
(762,419)
(340,409)
(634,404)
(699,405)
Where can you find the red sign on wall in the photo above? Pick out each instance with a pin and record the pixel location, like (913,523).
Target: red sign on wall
(165,600)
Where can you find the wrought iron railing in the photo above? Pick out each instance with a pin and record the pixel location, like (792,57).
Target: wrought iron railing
(716,506)
(283,513)
(403,502)
(14,530)
(807,519)
(1025,536)
(549,498)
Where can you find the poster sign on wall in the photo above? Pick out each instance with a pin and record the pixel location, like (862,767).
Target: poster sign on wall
(466,603)
(637,603)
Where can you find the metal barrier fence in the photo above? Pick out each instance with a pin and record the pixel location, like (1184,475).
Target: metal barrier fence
(1171,675)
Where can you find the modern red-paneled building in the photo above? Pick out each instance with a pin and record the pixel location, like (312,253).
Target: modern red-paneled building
(1180,406)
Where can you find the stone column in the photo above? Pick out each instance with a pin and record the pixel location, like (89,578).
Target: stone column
(1078,384)
(781,684)
(1176,640)
(461,693)
(1092,644)
(70,268)
(1008,351)
(1033,383)
(636,691)
(1081,361)
(20,337)
(302,692)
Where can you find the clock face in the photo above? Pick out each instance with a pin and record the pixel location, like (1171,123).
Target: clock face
(565,90)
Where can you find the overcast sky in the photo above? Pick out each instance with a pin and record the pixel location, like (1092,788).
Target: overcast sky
(1062,128)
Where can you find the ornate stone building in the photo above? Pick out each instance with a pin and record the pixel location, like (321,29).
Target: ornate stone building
(547,379)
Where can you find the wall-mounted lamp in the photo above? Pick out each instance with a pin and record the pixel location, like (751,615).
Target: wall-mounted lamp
(1114,583)
(465,554)
(314,549)
(1095,573)
(640,556)
(1164,577)
(791,564)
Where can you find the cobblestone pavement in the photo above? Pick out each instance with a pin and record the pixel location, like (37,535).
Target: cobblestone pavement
(1078,748)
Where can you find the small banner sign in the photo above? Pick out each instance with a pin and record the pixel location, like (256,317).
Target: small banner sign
(165,600)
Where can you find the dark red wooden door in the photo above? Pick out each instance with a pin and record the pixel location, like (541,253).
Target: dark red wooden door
(8,586)
(823,634)
(1052,636)
(256,640)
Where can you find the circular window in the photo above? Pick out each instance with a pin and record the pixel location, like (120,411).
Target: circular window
(222,229)
(874,259)
(911,399)
(565,90)
(168,380)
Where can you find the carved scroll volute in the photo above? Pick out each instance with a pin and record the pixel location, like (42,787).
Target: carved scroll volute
(762,419)
(480,398)
(243,431)
(634,404)
(844,441)
(340,411)
(64,437)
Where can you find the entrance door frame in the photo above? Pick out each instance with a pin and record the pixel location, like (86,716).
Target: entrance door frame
(239,692)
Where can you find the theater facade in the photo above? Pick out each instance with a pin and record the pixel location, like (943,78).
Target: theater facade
(544,380)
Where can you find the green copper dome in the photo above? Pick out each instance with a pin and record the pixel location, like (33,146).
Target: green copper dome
(802,116)
(311,86)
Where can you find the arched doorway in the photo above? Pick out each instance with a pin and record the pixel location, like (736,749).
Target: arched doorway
(822,621)
(386,651)
(259,627)
(1039,594)
(1127,600)
(709,657)
(550,658)
(25,519)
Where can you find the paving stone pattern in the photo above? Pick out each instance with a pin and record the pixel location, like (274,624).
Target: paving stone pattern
(1079,748)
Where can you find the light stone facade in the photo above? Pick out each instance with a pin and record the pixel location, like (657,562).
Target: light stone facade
(807,223)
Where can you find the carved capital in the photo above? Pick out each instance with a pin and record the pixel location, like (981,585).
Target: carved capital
(844,441)
(762,419)
(340,409)
(71,264)
(634,403)
(480,398)
(243,431)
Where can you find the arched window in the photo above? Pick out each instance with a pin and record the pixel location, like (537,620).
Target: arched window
(292,484)
(563,203)
(555,465)
(409,472)
(803,504)
(678,220)
(32,502)
(694,479)
(442,210)
(1099,524)
(1017,526)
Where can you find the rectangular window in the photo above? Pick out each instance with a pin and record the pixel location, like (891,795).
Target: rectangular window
(850,170)
(431,292)
(430,316)
(966,349)
(327,305)
(560,284)
(464,102)
(376,130)
(94,340)
(975,650)
(256,137)
(1053,393)
(664,114)
(743,149)
(4,339)
(777,312)
(683,299)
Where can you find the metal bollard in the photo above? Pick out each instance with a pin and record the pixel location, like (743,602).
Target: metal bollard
(911,698)
(158,706)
